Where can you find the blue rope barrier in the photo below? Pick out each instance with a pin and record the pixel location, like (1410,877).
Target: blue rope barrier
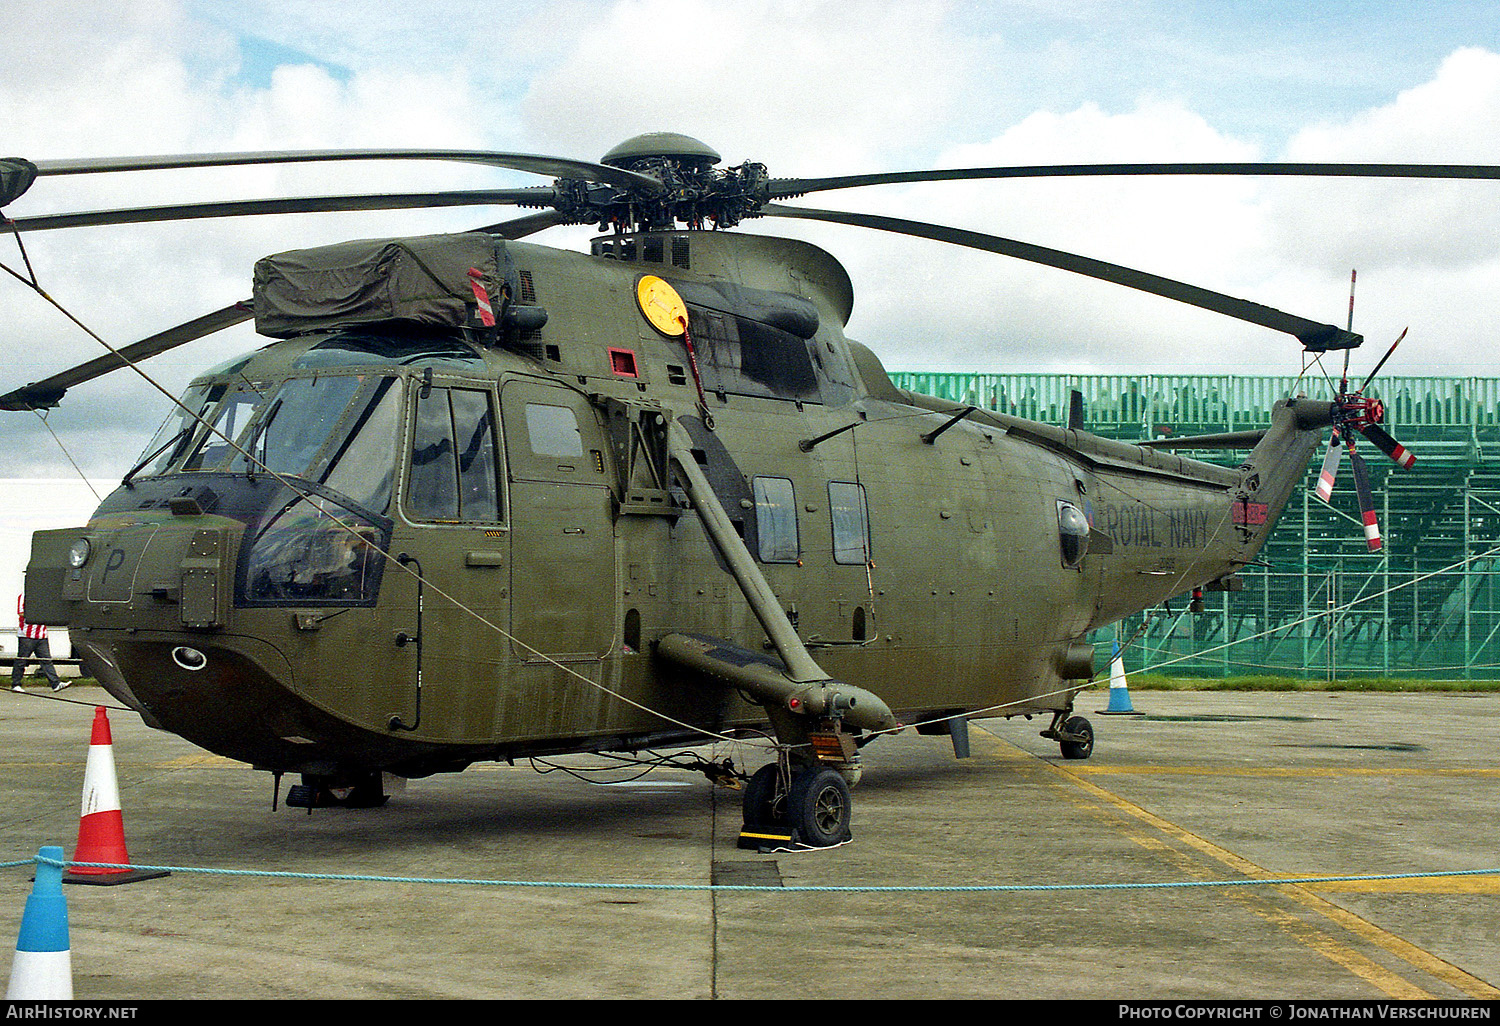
(845,888)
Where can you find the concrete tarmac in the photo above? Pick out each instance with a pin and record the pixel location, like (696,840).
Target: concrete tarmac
(1202,788)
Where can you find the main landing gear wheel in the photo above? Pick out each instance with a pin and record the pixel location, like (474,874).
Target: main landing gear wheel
(765,798)
(365,791)
(818,807)
(1078,738)
(814,811)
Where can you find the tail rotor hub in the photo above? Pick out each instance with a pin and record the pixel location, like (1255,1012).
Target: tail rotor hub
(1356,411)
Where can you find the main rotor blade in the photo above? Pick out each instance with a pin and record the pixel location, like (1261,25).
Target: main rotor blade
(43,394)
(785,188)
(520,227)
(290,205)
(1403,456)
(47,393)
(556,167)
(1314,337)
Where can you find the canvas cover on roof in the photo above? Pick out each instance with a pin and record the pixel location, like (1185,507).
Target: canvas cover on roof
(417,280)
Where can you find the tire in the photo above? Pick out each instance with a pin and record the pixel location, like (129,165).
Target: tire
(1080,749)
(762,807)
(819,807)
(367,791)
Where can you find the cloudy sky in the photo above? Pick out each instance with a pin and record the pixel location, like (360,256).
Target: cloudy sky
(809,88)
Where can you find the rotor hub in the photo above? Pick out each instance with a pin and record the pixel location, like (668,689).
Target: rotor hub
(694,192)
(682,150)
(1357,411)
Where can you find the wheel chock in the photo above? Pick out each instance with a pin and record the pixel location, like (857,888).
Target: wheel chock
(754,837)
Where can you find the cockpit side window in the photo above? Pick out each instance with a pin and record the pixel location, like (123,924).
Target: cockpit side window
(454,467)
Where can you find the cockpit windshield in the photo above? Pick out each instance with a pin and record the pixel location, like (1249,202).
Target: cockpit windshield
(171,439)
(334,429)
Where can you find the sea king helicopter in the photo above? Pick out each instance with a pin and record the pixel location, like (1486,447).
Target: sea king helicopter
(483,499)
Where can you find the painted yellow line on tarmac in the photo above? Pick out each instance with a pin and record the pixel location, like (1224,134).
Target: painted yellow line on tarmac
(1304,933)
(1394,985)
(1414,885)
(203,759)
(1286,771)
(1341,954)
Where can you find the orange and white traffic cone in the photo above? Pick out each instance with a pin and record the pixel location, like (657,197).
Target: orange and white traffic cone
(101,828)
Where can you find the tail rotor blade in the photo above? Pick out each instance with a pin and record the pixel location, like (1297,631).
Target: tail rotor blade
(1366,500)
(1330,468)
(1384,358)
(1383,441)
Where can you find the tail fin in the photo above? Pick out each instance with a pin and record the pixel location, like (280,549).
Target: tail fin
(1277,464)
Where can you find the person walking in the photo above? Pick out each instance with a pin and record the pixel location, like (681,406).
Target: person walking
(31,643)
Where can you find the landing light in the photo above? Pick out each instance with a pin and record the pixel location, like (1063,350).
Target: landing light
(79,553)
(189,659)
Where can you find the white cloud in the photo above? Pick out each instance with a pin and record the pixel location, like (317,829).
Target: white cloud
(802,86)
(147,79)
(1451,119)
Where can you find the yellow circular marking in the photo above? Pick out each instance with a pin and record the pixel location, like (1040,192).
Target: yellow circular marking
(662,305)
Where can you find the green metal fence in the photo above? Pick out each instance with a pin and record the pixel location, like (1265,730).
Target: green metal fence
(1323,607)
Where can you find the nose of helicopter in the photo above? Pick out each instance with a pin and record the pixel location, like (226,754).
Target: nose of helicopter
(152,571)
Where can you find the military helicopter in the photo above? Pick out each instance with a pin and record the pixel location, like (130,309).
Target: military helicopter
(482,499)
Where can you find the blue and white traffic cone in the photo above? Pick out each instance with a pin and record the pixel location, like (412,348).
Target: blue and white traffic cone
(1119,690)
(43,966)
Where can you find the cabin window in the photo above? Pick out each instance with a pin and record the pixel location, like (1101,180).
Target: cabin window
(454,476)
(553,430)
(776,520)
(851,523)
